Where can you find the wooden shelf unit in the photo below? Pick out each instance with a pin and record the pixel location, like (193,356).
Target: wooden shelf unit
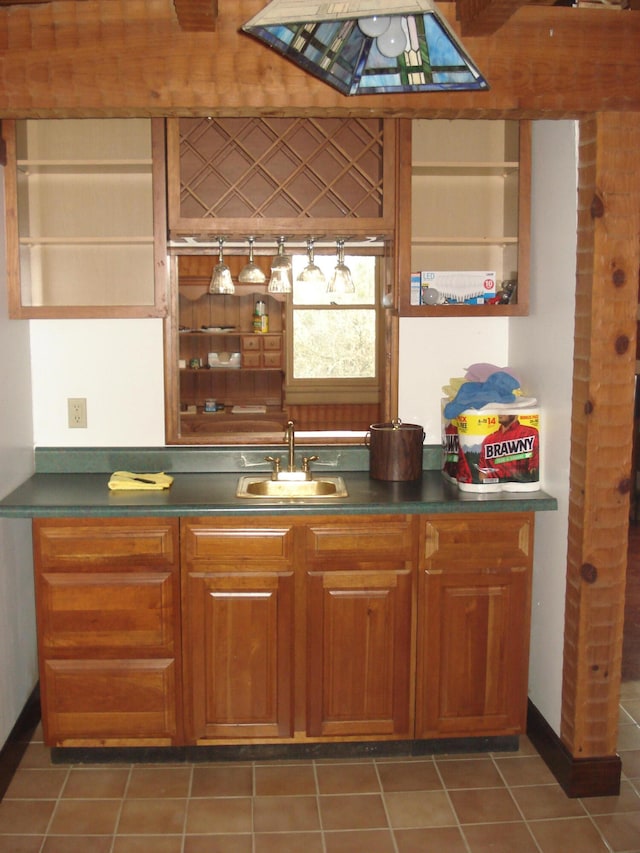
(85,218)
(469,186)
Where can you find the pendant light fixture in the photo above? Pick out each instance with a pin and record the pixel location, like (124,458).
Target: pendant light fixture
(281,277)
(369,46)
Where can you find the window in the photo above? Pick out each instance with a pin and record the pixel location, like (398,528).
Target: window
(333,341)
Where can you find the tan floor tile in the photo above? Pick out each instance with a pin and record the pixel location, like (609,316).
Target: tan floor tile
(103,783)
(219,815)
(484,805)
(558,836)
(285,780)
(627,801)
(631,763)
(632,708)
(36,784)
(359,840)
(629,737)
(147,843)
(538,802)
(24,817)
(159,782)
(502,838)
(348,779)
(163,816)
(285,814)
(36,755)
(291,842)
(409,776)
(78,844)
(629,690)
(470,773)
(437,839)
(419,808)
(530,770)
(85,817)
(621,831)
(218,844)
(222,781)
(20,843)
(355,811)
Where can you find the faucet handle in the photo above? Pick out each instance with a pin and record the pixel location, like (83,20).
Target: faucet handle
(276,465)
(305,462)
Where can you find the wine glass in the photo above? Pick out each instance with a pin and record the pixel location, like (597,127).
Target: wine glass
(312,272)
(280,281)
(341,281)
(221,281)
(251,272)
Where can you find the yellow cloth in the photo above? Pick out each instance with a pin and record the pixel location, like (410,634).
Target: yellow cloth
(129,480)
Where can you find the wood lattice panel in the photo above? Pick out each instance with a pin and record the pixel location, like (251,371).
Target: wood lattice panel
(281,168)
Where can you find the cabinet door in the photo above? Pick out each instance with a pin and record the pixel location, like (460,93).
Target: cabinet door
(473,625)
(238,630)
(107,596)
(359,628)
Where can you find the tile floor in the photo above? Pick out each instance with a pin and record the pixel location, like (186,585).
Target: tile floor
(480,803)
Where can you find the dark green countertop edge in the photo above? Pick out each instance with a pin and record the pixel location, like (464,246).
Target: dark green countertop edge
(73,483)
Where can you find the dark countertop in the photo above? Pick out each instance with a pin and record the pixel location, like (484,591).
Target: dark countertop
(213,494)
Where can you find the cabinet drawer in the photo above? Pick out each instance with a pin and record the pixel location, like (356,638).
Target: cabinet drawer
(476,543)
(272,342)
(272,359)
(109,700)
(251,359)
(109,612)
(366,539)
(211,547)
(92,544)
(251,343)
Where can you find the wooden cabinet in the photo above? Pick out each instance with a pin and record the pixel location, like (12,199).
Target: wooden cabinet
(360,584)
(272,176)
(85,218)
(283,629)
(238,594)
(108,602)
(473,624)
(468,182)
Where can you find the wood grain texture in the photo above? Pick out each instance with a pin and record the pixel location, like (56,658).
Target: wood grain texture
(131,57)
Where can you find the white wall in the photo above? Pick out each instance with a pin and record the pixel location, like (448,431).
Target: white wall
(18,659)
(117,365)
(541,351)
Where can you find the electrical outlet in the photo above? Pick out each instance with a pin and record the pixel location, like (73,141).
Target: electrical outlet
(77,412)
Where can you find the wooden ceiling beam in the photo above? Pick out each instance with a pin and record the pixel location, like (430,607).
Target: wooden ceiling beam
(485,17)
(197,15)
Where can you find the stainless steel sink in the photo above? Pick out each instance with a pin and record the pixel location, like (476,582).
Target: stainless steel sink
(264,487)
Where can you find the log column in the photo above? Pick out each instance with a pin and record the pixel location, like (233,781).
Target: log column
(602,418)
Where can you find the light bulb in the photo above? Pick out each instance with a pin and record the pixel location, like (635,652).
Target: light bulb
(374,26)
(393,42)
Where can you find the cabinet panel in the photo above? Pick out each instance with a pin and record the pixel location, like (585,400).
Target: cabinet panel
(473,625)
(359,653)
(74,544)
(107,612)
(357,539)
(121,701)
(239,645)
(246,546)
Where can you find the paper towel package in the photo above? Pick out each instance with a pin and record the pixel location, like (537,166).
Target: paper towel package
(449,446)
(499,448)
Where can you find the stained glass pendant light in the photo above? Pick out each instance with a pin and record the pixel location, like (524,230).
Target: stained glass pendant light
(369,46)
